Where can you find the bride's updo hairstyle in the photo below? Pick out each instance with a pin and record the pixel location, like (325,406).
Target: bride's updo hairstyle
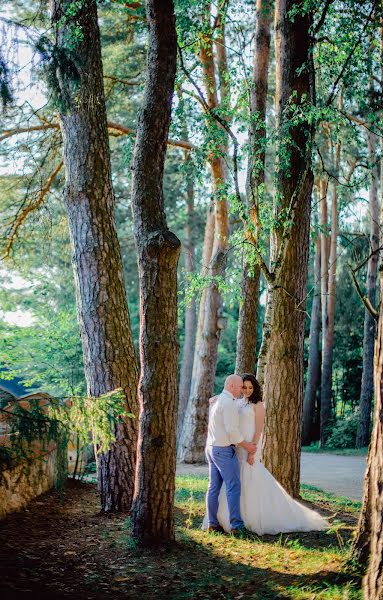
(256,396)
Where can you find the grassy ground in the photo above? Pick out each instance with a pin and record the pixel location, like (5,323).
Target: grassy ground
(57,550)
(314,448)
(297,566)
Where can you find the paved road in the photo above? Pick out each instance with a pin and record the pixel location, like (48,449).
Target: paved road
(342,475)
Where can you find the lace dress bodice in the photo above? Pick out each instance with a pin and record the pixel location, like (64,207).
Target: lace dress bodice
(247,428)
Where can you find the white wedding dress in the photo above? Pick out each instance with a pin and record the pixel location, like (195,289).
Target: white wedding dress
(265,506)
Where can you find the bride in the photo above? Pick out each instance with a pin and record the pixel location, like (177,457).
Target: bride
(265,506)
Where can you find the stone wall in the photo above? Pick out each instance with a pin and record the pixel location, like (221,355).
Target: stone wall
(20,484)
(22,480)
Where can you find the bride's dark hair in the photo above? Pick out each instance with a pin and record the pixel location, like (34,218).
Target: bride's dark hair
(256,396)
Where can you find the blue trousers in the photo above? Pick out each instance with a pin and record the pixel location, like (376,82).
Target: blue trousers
(223,467)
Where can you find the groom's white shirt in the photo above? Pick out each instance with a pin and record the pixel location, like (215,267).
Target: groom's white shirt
(223,427)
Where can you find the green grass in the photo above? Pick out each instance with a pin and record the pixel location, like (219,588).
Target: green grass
(318,497)
(315,449)
(301,566)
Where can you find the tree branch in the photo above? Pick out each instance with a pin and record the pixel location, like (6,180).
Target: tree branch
(185,145)
(34,205)
(323,16)
(346,62)
(132,82)
(363,297)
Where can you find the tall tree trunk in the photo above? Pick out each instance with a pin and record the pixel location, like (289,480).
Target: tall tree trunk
(109,356)
(313,369)
(367,387)
(193,437)
(207,251)
(248,312)
(266,334)
(158,252)
(329,312)
(191,309)
(324,241)
(361,546)
(373,581)
(283,388)
(248,320)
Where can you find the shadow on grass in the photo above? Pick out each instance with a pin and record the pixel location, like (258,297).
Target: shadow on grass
(218,567)
(54,552)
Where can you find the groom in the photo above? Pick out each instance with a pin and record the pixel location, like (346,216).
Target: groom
(223,435)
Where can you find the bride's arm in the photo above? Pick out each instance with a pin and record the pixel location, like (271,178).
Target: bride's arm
(259,415)
(259,411)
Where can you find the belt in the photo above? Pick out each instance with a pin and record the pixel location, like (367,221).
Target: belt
(232,445)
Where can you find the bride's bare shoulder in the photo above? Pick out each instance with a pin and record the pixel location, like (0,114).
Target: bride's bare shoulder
(259,408)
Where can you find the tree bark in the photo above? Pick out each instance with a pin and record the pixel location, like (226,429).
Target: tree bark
(266,334)
(324,239)
(193,438)
(373,581)
(109,356)
(158,252)
(246,356)
(283,388)
(361,545)
(191,309)
(367,387)
(207,251)
(329,315)
(248,312)
(313,369)
(363,542)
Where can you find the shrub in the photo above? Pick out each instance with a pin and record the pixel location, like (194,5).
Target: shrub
(343,434)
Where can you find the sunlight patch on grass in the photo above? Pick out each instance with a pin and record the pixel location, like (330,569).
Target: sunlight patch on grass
(313,494)
(299,566)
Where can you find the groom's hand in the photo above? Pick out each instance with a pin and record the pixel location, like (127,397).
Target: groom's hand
(250,459)
(249,447)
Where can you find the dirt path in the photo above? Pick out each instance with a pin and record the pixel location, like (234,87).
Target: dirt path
(341,475)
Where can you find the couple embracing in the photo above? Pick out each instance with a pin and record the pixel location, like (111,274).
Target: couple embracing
(242,494)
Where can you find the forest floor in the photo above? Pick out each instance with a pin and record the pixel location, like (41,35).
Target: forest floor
(64,548)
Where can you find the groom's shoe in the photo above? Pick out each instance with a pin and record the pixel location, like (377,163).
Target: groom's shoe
(215,529)
(240,532)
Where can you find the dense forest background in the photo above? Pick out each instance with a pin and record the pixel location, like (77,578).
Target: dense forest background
(188,190)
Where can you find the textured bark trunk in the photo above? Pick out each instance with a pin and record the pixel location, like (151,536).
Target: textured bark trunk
(367,387)
(191,309)
(324,241)
(248,320)
(361,545)
(314,363)
(207,252)
(109,356)
(266,333)
(283,388)
(193,437)
(327,350)
(248,312)
(363,541)
(373,581)
(328,328)
(158,252)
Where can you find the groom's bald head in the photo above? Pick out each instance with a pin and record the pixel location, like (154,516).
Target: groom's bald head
(233,384)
